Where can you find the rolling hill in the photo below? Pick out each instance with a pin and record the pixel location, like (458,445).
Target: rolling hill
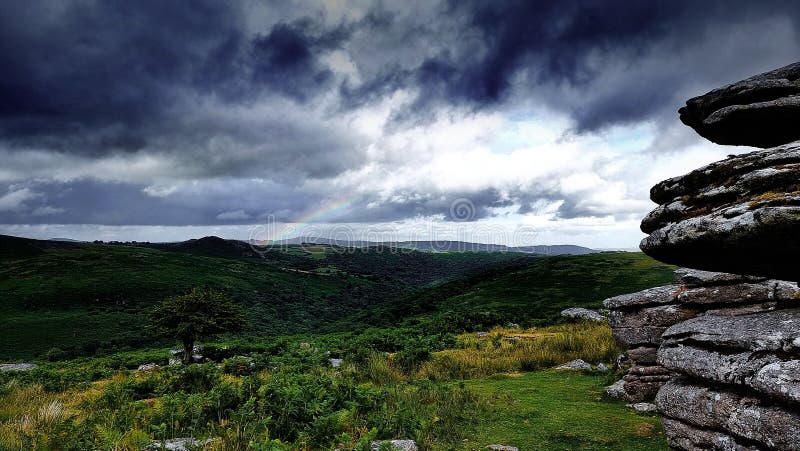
(90,297)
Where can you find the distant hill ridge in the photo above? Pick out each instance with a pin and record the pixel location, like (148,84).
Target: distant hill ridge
(447,246)
(221,247)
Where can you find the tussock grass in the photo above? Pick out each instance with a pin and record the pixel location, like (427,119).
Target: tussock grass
(505,350)
(30,417)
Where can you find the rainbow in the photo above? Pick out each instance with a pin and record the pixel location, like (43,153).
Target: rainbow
(326,211)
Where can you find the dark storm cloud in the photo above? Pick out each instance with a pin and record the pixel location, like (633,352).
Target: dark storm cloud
(546,49)
(90,201)
(94,77)
(97,77)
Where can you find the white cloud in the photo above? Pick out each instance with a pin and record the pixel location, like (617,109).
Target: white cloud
(15,199)
(234,215)
(46,211)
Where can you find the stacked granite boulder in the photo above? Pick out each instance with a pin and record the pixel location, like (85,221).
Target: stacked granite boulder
(738,383)
(639,320)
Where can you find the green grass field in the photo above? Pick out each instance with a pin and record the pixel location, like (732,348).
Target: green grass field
(559,410)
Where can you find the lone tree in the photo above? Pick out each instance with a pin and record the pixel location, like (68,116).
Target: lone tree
(201,313)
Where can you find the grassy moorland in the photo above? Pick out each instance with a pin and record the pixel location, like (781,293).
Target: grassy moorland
(528,294)
(285,395)
(79,299)
(73,299)
(403,324)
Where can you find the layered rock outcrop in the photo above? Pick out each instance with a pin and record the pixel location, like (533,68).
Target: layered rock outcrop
(760,111)
(734,346)
(740,215)
(639,320)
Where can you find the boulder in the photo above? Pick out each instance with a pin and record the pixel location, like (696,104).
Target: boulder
(147,367)
(582,314)
(502,448)
(398,445)
(17,366)
(575,365)
(760,111)
(616,390)
(179,444)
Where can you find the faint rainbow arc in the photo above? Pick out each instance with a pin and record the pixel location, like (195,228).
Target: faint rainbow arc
(323,212)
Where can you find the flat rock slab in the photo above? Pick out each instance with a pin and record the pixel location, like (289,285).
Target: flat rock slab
(692,278)
(17,366)
(770,331)
(760,111)
(651,296)
(661,315)
(741,293)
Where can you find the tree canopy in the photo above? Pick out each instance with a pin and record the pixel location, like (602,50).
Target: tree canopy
(199,314)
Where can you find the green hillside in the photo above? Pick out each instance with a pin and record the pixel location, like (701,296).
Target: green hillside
(85,297)
(533,293)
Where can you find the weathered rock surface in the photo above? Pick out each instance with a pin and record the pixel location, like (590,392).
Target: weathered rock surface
(640,321)
(147,367)
(643,355)
(770,331)
(179,444)
(575,365)
(616,390)
(687,437)
(738,359)
(693,278)
(582,314)
(747,205)
(17,366)
(502,448)
(662,315)
(651,296)
(644,407)
(744,417)
(760,111)
(398,445)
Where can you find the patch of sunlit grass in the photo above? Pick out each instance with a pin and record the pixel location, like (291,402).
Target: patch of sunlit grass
(504,350)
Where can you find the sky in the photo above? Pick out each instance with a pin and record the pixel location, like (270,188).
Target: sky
(513,122)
